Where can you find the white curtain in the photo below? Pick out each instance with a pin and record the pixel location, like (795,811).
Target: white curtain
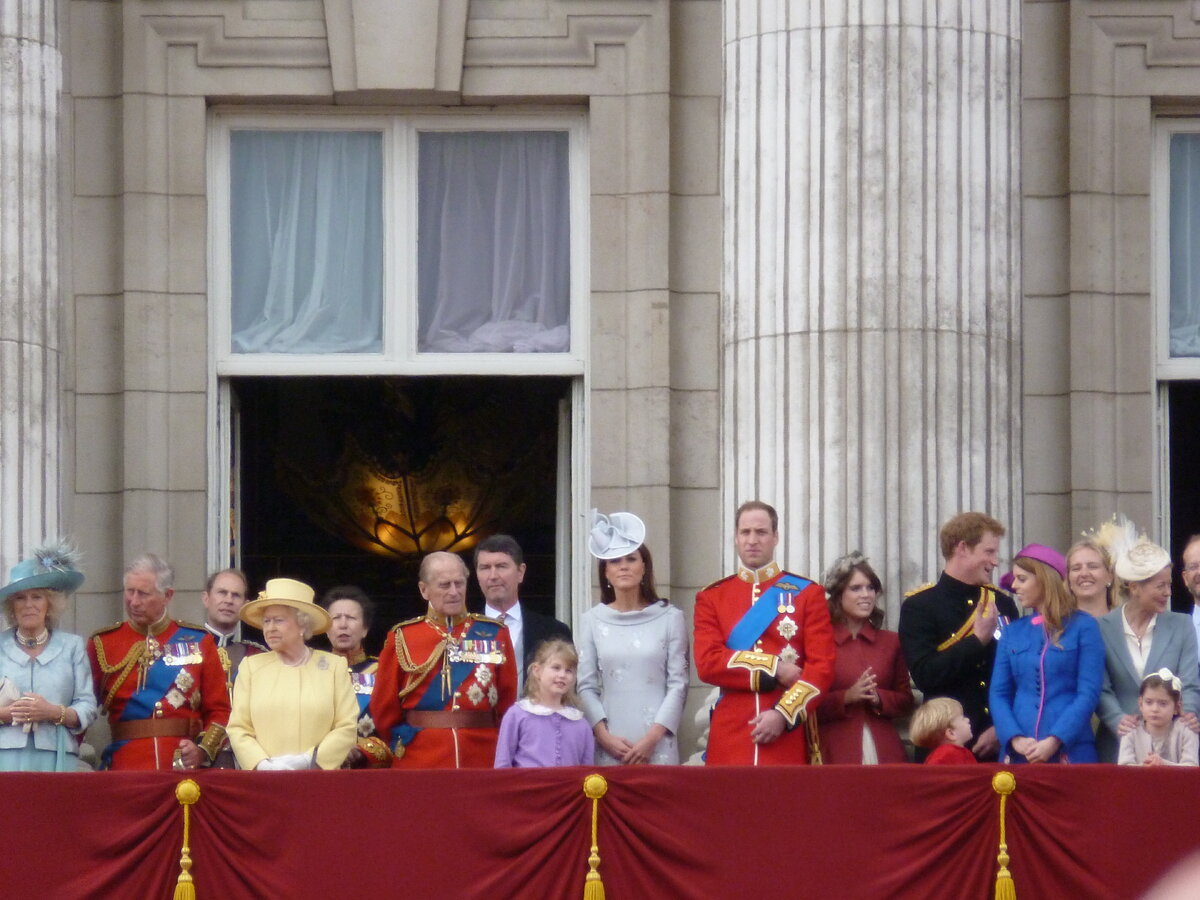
(1185,245)
(307,241)
(493,265)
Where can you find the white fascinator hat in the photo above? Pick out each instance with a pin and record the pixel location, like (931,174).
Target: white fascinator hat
(616,535)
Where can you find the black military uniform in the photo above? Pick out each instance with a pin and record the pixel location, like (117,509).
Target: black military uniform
(940,647)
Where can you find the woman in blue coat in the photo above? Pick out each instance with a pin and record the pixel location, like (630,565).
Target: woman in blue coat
(1049,668)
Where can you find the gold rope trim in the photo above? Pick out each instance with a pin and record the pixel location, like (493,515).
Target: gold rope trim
(125,666)
(187,792)
(1004,783)
(594,787)
(416,673)
(986,596)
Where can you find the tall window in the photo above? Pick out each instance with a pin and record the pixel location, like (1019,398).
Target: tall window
(1176,247)
(1184,216)
(398,244)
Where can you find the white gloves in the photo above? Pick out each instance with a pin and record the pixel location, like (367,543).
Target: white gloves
(289,762)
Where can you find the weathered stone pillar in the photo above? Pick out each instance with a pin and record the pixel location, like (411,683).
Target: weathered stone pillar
(30,79)
(871,328)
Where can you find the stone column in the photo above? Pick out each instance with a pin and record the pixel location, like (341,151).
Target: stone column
(871,359)
(30,80)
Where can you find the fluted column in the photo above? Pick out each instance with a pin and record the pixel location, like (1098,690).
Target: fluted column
(30,80)
(871,327)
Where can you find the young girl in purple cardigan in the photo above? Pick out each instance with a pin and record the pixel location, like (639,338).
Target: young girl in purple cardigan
(546,727)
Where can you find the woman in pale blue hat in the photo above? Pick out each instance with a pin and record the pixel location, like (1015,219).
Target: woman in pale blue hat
(46,695)
(633,651)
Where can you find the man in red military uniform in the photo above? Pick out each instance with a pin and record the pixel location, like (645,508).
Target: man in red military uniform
(160,681)
(763,636)
(444,680)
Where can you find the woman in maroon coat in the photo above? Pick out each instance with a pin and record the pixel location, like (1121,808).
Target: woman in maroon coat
(870,679)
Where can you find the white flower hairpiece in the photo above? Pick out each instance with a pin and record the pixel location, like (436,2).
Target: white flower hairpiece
(1169,677)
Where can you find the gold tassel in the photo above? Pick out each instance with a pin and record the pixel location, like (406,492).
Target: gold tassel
(594,787)
(1004,783)
(187,792)
(814,740)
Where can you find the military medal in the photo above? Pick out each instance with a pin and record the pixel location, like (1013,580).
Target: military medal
(785,604)
(787,628)
(788,654)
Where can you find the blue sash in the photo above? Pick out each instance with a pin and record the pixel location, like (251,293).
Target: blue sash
(751,626)
(459,671)
(159,679)
(364,684)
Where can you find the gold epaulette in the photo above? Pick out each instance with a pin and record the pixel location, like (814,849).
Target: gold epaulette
(191,625)
(480,617)
(794,700)
(414,620)
(918,590)
(107,628)
(718,581)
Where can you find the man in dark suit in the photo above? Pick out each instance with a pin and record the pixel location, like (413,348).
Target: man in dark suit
(500,568)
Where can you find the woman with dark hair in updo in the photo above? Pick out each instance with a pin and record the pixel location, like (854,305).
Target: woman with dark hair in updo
(633,659)
(870,679)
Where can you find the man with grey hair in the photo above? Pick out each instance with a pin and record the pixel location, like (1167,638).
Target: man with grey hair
(444,679)
(159,681)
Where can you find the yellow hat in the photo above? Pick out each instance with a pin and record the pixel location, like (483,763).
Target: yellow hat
(286,592)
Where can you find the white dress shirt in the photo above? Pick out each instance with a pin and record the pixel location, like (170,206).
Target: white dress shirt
(1139,651)
(512,620)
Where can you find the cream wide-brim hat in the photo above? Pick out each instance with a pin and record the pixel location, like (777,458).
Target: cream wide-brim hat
(1143,560)
(286,592)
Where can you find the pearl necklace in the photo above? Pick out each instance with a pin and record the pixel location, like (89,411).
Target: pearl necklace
(33,641)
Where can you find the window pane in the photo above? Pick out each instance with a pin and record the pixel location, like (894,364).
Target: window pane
(494,243)
(307,242)
(1185,245)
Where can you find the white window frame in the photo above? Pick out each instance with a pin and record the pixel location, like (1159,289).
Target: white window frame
(1166,368)
(400,355)
(1168,122)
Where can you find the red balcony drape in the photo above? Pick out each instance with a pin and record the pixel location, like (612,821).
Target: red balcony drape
(680,832)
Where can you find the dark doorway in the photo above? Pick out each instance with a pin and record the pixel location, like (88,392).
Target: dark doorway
(1183,403)
(351,480)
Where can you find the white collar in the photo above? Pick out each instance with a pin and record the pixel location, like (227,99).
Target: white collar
(567,712)
(233,637)
(1129,630)
(513,613)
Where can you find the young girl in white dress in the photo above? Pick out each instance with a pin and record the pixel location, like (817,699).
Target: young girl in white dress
(1160,738)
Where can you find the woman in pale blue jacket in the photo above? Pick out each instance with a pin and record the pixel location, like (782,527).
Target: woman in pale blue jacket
(46,695)
(1049,668)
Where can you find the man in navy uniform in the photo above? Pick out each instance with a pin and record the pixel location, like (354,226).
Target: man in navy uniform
(948,629)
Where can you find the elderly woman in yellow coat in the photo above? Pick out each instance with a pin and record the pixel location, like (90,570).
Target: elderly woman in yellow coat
(293,708)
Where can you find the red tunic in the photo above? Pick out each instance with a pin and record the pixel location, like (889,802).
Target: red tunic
(805,636)
(489,685)
(951,755)
(191,688)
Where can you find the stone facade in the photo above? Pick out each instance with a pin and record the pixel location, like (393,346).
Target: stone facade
(1066,321)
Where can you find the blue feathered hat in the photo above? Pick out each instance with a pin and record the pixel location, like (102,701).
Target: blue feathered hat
(53,568)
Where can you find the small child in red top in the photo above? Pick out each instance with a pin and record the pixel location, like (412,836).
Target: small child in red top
(939,723)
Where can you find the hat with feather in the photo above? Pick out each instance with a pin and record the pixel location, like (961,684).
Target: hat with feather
(54,567)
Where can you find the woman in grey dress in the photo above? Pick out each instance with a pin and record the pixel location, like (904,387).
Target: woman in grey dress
(633,652)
